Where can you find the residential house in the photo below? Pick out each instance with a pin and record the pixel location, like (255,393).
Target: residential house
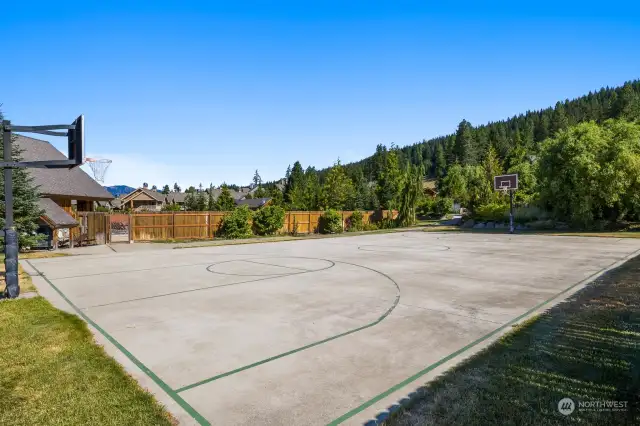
(176,198)
(63,192)
(254,203)
(429,187)
(143,199)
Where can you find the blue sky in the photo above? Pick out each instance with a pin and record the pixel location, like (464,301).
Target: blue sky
(200,92)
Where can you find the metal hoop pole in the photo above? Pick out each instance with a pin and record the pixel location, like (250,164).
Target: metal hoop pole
(511,212)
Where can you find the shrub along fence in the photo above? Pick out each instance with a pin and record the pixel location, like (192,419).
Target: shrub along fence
(159,226)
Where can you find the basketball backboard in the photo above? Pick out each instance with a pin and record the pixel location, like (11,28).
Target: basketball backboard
(505,182)
(75,138)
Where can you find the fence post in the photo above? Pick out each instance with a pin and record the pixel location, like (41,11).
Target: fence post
(173,225)
(131,234)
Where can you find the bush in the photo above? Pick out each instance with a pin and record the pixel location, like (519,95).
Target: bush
(356,221)
(295,228)
(388,222)
(493,212)
(171,207)
(370,227)
(331,222)
(237,223)
(542,224)
(425,208)
(268,220)
(528,214)
(434,208)
(443,205)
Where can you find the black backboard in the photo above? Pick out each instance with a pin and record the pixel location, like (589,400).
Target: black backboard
(76,141)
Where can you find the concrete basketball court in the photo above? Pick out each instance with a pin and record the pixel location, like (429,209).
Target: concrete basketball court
(317,331)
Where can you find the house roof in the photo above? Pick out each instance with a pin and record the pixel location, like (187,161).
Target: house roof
(253,203)
(157,196)
(74,183)
(430,186)
(176,197)
(55,215)
(234,194)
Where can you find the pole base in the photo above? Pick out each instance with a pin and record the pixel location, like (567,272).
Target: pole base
(12,289)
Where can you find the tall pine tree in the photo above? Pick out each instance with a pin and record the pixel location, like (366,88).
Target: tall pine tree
(225,202)
(26,211)
(464,148)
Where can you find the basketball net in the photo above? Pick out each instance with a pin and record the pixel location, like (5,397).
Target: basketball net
(99,167)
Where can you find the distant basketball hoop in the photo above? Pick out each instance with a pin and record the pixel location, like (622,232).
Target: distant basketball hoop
(99,167)
(507,184)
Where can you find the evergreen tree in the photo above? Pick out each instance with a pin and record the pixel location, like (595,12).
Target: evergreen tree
(225,201)
(627,105)
(559,120)
(176,188)
(190,202)
(464,148)
(410,193)
(154,188)
(294,182)
(211,201)
(389,180)
(277,198)
(259,193)
(201,200)
(427,158)
(491,165)
(311,189)
(492,168)
(440,162)
(257,180)
(26,211)
(190,190)
(166,190)
(542,128)
(337,190)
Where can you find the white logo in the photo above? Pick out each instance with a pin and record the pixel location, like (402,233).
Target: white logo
(566,406)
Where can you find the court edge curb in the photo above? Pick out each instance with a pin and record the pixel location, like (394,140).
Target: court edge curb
(482,339)
(157,380)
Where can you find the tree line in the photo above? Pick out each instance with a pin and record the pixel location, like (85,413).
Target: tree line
(463,162)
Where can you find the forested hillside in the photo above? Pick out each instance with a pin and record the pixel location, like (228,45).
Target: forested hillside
(577,162)
(469,144)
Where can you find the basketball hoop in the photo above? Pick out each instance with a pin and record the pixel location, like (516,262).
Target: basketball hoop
(99,167)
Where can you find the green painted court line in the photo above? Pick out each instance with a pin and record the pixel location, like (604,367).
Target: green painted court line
(426,370)
(293,351)
(188,408)
(311,345)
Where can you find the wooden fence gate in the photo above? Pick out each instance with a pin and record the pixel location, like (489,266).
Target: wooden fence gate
(119,228)
(93,228)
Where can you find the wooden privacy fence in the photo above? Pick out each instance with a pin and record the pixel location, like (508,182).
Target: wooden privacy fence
(205,225)
(93,229)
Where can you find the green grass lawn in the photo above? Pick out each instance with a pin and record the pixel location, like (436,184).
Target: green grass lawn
(53,373)
(587,348)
